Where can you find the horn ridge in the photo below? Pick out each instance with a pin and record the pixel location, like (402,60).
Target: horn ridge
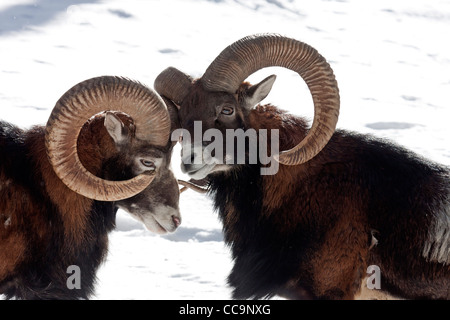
(173,84)
(246,56)
(78,105)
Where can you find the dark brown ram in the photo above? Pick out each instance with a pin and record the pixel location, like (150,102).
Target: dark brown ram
(340,201)
(106,146)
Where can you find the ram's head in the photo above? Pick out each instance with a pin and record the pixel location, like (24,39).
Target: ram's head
(221,100)
(129,126)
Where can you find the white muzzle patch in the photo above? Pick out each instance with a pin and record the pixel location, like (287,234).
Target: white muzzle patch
(164,219)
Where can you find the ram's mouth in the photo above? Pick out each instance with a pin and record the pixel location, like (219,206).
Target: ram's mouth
(197,172)
(155,227)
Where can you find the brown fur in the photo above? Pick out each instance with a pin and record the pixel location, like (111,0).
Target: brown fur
(17,200)
(307,231)
(71,205)
(45,227)
(279,185)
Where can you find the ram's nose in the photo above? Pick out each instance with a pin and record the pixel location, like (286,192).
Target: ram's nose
(176,221)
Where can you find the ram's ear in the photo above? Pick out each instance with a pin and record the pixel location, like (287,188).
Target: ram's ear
(256,93)
(116,128)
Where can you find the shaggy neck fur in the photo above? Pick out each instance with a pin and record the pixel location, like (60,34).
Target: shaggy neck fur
(245,201)
(308,231)
(67,230)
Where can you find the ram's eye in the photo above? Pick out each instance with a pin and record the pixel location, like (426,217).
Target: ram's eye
(149,164)
(228,111)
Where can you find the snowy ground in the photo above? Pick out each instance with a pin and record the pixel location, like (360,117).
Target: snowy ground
(391,60)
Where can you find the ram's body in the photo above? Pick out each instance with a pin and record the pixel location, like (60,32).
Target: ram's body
(340,201)
(46,228)
(309,231)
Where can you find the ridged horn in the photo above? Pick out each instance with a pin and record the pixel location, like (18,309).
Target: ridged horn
(173,84)
(87,99)
(200,186)
(244,57)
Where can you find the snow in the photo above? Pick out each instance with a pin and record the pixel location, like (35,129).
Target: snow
(391,60)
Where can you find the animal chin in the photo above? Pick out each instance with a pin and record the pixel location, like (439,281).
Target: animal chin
(153,225)
(167,221)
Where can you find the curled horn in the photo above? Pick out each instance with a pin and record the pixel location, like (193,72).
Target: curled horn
(82,102)
(244,57)
(173,84)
